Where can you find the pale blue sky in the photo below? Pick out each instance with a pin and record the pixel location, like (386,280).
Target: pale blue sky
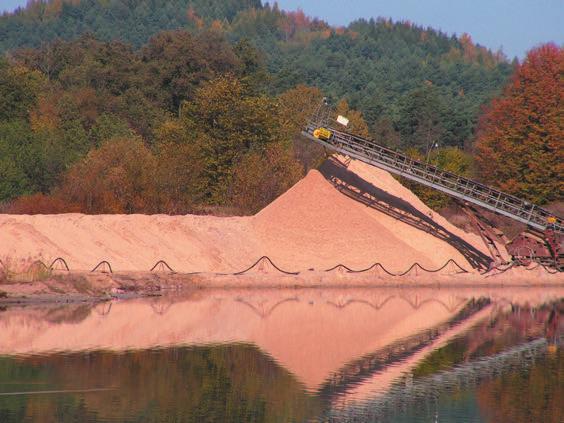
(514,25)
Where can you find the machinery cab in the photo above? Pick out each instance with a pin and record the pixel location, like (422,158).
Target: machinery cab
(322,134)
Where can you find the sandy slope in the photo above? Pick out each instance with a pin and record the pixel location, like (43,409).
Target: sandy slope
(312,225)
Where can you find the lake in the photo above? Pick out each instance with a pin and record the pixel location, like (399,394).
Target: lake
(284,355)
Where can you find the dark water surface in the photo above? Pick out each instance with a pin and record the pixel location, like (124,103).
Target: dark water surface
(397,355)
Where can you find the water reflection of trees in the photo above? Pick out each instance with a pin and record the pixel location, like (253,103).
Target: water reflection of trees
(535,394)
(235,383)
(503,330)
(514,362)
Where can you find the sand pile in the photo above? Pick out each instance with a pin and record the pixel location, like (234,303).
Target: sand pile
(312,225)
(385,181)
(130,242)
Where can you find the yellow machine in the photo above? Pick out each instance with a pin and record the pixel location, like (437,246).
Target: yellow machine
(322,134)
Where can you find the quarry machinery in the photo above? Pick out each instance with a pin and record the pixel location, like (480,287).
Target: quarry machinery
(542,242)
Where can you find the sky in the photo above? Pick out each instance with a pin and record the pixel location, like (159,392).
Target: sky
(514,25)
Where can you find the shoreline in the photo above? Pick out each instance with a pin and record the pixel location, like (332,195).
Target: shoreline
(91,287)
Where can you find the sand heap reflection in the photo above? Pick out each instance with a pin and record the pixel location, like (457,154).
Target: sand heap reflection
(270,355)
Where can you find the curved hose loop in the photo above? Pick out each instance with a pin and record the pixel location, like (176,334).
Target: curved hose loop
(163,264)
(500,268)
(545,267)
(101,264)
(537,265)
(516,264)
(415,265)
(340,266)
(61,261)
(551,271)
(454,262)
(269,261)
(374,266)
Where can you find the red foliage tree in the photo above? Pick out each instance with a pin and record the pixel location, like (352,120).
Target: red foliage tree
(41,204)
(520,135)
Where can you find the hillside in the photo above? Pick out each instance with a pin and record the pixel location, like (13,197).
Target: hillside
(380,66)
(407,80)
(99,70)
(196,107)
(132,22)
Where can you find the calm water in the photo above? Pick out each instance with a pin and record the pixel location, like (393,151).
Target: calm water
(398,355)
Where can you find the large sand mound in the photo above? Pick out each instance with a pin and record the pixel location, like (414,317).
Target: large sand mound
(313,225)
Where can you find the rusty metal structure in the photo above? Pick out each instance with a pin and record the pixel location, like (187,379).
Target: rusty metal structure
(542,242)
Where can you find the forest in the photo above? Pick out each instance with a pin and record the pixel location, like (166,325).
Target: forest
(186,106)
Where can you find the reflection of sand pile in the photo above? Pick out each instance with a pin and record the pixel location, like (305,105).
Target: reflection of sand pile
(312,225)
(306,333)
(312,333)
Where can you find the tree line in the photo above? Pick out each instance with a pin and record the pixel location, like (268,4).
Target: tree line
(206,118)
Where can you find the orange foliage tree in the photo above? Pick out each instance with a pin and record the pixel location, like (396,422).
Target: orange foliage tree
(118,177)
(356,125)
(519,140)
(41,204)
(260,177)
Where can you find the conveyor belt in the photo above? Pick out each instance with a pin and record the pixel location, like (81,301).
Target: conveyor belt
(456,186)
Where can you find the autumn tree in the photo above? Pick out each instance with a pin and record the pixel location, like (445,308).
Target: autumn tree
(419,124)
(19,156)
(297,105)
(41,204)
(178,62)
(356,124)
(19,88)
(118,177)
(450,159)
(385,133)
(519,144)
(259,178)
(225,123)
(180,172)
(109,126)
(252,68)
